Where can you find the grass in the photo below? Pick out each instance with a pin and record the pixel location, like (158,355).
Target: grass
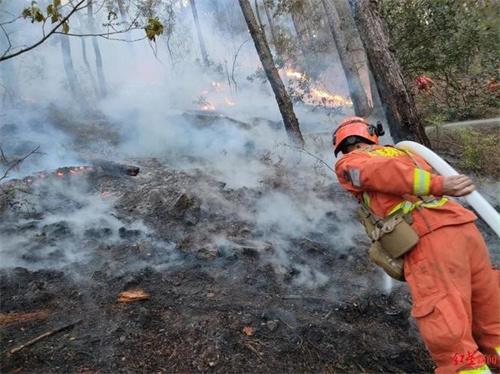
(471,150)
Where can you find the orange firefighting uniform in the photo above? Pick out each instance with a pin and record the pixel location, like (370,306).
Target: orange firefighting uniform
(455,290)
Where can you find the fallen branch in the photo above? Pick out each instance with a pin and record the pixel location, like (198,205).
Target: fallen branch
(43,336)
(132,295)
(10,318)
(301,297)
(254,350)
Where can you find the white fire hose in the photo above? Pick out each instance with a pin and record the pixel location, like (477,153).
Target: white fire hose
(475,199)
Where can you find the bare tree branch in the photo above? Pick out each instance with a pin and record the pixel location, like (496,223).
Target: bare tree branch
(2,154)
(8,40)
(17,162)
(124,40)
(12,20)
(103,34)
(310,154)
(42,40)
(234,64)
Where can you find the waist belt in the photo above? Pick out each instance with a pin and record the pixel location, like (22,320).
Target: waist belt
(408,206)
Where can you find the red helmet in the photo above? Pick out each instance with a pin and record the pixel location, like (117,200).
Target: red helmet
(354,126)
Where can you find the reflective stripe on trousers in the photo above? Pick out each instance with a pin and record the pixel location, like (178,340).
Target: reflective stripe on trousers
(482,370)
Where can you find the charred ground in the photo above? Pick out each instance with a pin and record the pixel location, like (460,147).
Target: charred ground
(230,288)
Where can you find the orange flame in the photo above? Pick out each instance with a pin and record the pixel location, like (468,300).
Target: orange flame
(334,99)
(291,73)
(317,93)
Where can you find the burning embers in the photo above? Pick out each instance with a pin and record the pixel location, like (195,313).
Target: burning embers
(290,73)
(311,93)
(215,96)
(205,105)
(229,102)
(314,94)
(59,173)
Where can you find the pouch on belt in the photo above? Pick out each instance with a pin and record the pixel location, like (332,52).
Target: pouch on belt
(394,267)
(391,238)
(397,236)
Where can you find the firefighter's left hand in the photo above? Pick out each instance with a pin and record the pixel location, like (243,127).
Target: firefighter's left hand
(458,185)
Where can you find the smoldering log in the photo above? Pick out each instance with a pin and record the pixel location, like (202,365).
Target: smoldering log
(110,168)
(97,169)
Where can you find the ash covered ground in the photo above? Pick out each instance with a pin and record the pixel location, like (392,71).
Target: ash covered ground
(251,261)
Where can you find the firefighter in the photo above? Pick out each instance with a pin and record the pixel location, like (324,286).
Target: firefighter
(424,83)
(434,241)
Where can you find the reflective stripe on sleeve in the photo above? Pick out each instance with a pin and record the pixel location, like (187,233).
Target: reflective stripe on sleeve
(355,177)
(482,370)
(421,182)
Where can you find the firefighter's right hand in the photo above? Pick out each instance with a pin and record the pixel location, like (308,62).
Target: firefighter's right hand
(457,185)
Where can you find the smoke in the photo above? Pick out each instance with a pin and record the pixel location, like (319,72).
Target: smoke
(59,223)
(163,103)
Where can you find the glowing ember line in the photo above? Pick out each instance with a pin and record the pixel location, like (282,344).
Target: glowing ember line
(316,93)
(295,74)
(335,99)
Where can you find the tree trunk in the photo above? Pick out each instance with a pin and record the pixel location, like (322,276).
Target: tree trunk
(308,24)
(87,66)
(121,10)
(278,53)
(204,54)
(400,109)
(272,30)
(8,79)
(257,13)
(284,103)
(101,80)
(8,84)
(355,46)
(341,28)
(302,38)
(69,69)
